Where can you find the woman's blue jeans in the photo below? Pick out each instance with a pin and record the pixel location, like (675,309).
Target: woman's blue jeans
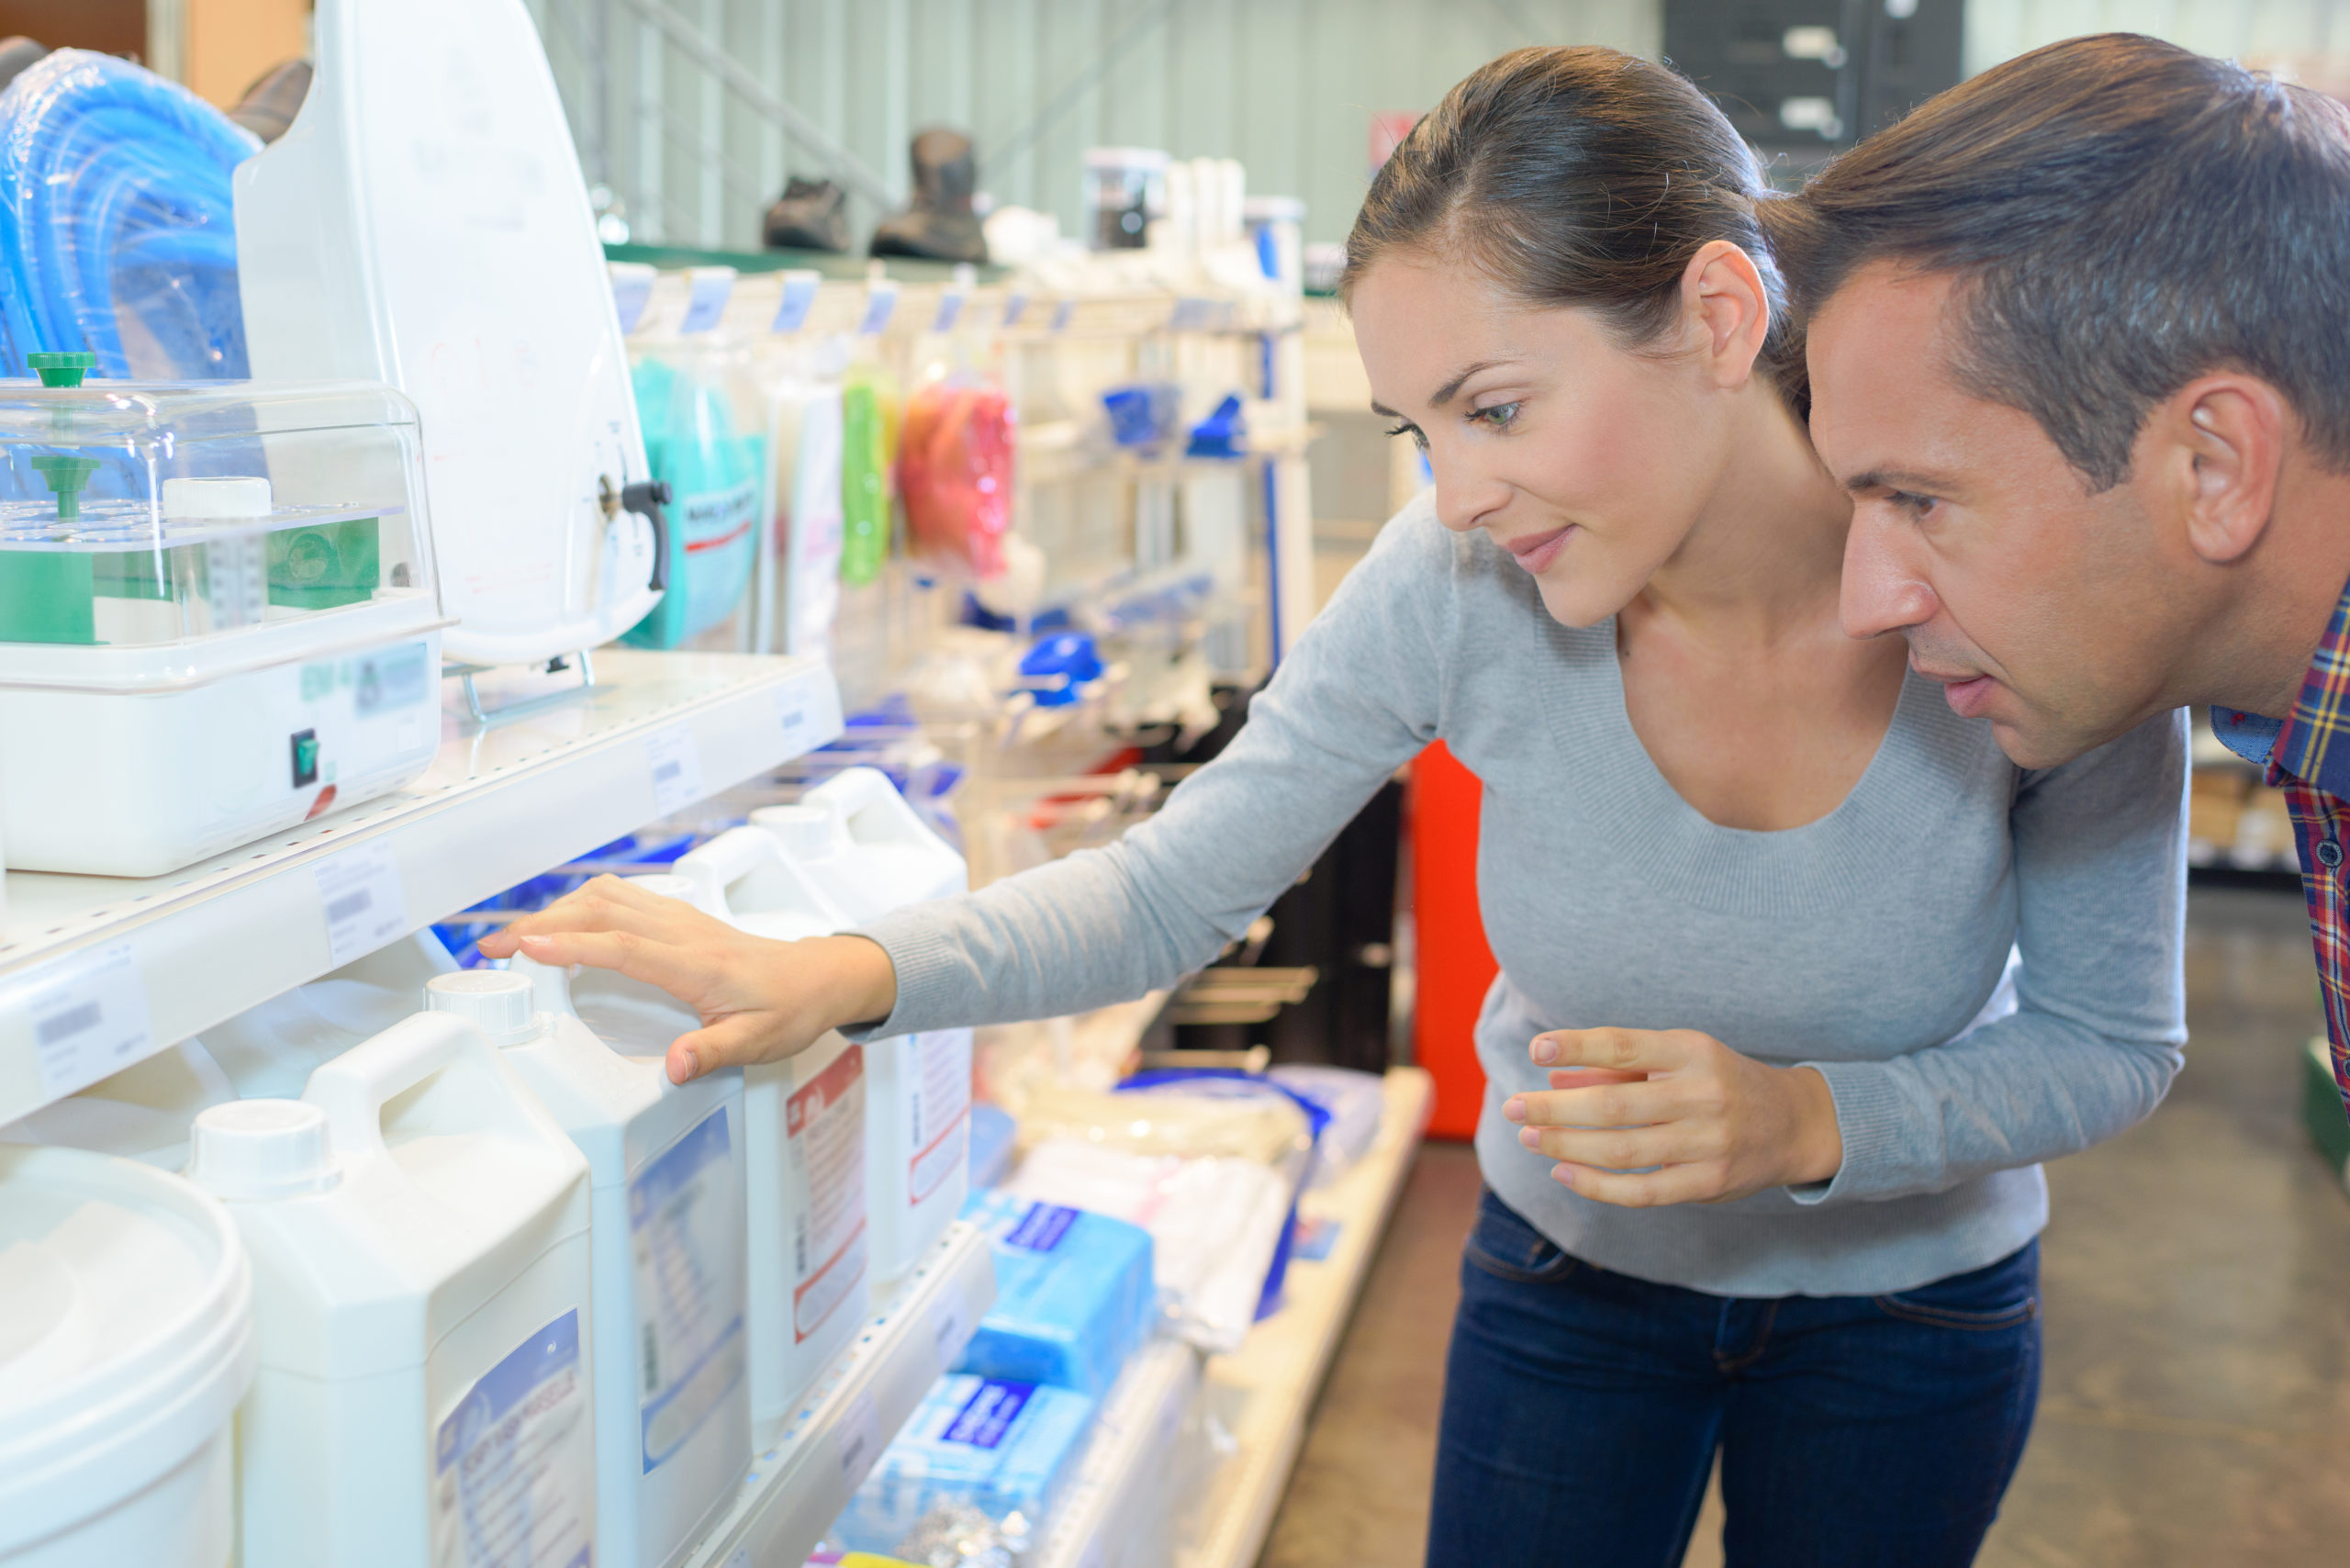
(1582,1410)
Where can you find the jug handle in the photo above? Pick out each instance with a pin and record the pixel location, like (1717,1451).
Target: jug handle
(725,860)
(353,1089)
(853,794)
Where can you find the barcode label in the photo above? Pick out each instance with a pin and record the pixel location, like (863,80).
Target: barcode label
(676,763)
(365,904)
(859,1437)
(88,1014)
(949,1331)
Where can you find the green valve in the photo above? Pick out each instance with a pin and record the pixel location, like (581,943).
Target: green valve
(66,475)
(61,369)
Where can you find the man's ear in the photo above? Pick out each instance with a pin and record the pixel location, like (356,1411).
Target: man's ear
(1723,297)
(2221,441)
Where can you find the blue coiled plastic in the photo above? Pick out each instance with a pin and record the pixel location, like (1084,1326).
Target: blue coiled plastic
(117,225)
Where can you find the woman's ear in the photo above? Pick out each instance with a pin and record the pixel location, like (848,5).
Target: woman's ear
(2217,445)
(1725,303)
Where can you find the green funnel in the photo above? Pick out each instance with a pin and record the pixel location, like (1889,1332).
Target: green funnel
(66,475)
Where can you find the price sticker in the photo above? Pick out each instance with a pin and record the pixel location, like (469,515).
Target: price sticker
(880,303)
(708,291)
(1015,306)
(792,712)
(1062,310)
(950,1330)
(950,311)
(798,294)
(366,905)
(88,1016)
(676,762)
(858,1439)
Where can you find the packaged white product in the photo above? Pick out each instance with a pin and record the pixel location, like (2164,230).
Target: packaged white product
(1000,1448)
(1215,1224)
(666,1171)
(810,1282)
(419,1230)
(1138,1473)
(126,1340)
(1356,1101)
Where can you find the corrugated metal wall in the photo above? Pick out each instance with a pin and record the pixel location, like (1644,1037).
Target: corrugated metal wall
(1286,86)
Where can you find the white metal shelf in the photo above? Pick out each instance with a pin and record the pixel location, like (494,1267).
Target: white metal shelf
(1131,1454)
(1264,1390)
(804,1474)
(154,960)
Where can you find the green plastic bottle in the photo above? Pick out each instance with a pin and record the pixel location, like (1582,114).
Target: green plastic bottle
(868,441)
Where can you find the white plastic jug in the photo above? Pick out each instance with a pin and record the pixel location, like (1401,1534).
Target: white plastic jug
(419,1226)
(269,1050)
(672,1417)
(866,852)
(125,1339)
(805,1142)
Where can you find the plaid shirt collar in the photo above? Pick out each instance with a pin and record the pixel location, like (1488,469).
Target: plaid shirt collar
(2312,743)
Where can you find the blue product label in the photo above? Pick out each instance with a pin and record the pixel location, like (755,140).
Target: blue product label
(791,310)
(684,1229)
(1041,1229)
(988,1415)
(514,1464)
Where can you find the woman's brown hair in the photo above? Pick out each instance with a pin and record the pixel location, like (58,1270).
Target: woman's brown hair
(1582,177)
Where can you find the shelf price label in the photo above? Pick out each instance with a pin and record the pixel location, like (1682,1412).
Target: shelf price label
(366,905)
(949,1330)
(858,1439)
(676,762)
(794,712)
(87,1015)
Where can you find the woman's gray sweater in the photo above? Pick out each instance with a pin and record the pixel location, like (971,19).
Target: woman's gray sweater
(1863,944)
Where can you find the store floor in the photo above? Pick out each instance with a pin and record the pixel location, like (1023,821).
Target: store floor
(2196,1270)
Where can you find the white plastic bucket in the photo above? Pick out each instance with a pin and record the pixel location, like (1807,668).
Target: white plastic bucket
(126,1340)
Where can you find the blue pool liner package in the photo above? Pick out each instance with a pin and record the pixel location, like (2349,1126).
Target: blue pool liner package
(1074,1295)
(1002,1447)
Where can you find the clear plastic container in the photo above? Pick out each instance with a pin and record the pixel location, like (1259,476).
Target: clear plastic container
(218,599)
(1125,188)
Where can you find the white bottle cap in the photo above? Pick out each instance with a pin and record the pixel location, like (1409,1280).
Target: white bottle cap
(215,498)
(498,1001)
(805,832)
(255,1150)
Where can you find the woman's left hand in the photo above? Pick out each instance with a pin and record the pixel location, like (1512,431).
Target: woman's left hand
(1706,1126)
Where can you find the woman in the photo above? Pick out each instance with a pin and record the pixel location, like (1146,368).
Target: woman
(1758,870)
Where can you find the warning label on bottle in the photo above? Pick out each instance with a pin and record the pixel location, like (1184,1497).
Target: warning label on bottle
(939,1108)
(683,1226)
(825,1128)
(514,1464)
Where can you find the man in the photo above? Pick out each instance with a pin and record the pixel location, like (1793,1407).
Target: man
(2080,349)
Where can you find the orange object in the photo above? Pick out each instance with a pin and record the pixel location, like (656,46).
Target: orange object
(1455,965)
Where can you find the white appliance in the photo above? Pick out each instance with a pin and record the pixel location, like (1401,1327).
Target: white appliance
(218,614)
(424,222)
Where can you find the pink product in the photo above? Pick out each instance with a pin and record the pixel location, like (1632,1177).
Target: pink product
(955,472)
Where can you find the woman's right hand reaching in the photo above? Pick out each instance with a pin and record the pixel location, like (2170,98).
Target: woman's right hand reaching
(759,1000)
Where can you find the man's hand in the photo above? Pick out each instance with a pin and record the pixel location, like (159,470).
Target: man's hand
(758,999)
(1675,1117)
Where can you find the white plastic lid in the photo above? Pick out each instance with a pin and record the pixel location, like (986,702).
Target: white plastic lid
(125,1334)
(501,1000)
(215,498)
(805,832)
(258,1150)
(1272,209)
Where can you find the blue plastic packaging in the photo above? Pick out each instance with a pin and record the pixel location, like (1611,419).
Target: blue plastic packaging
(116,229)
(1074,1295)
(994,1137)
(1002,1447)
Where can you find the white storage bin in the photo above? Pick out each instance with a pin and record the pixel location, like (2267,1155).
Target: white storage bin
(125,1339)
(419,1226)
(673,1424)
